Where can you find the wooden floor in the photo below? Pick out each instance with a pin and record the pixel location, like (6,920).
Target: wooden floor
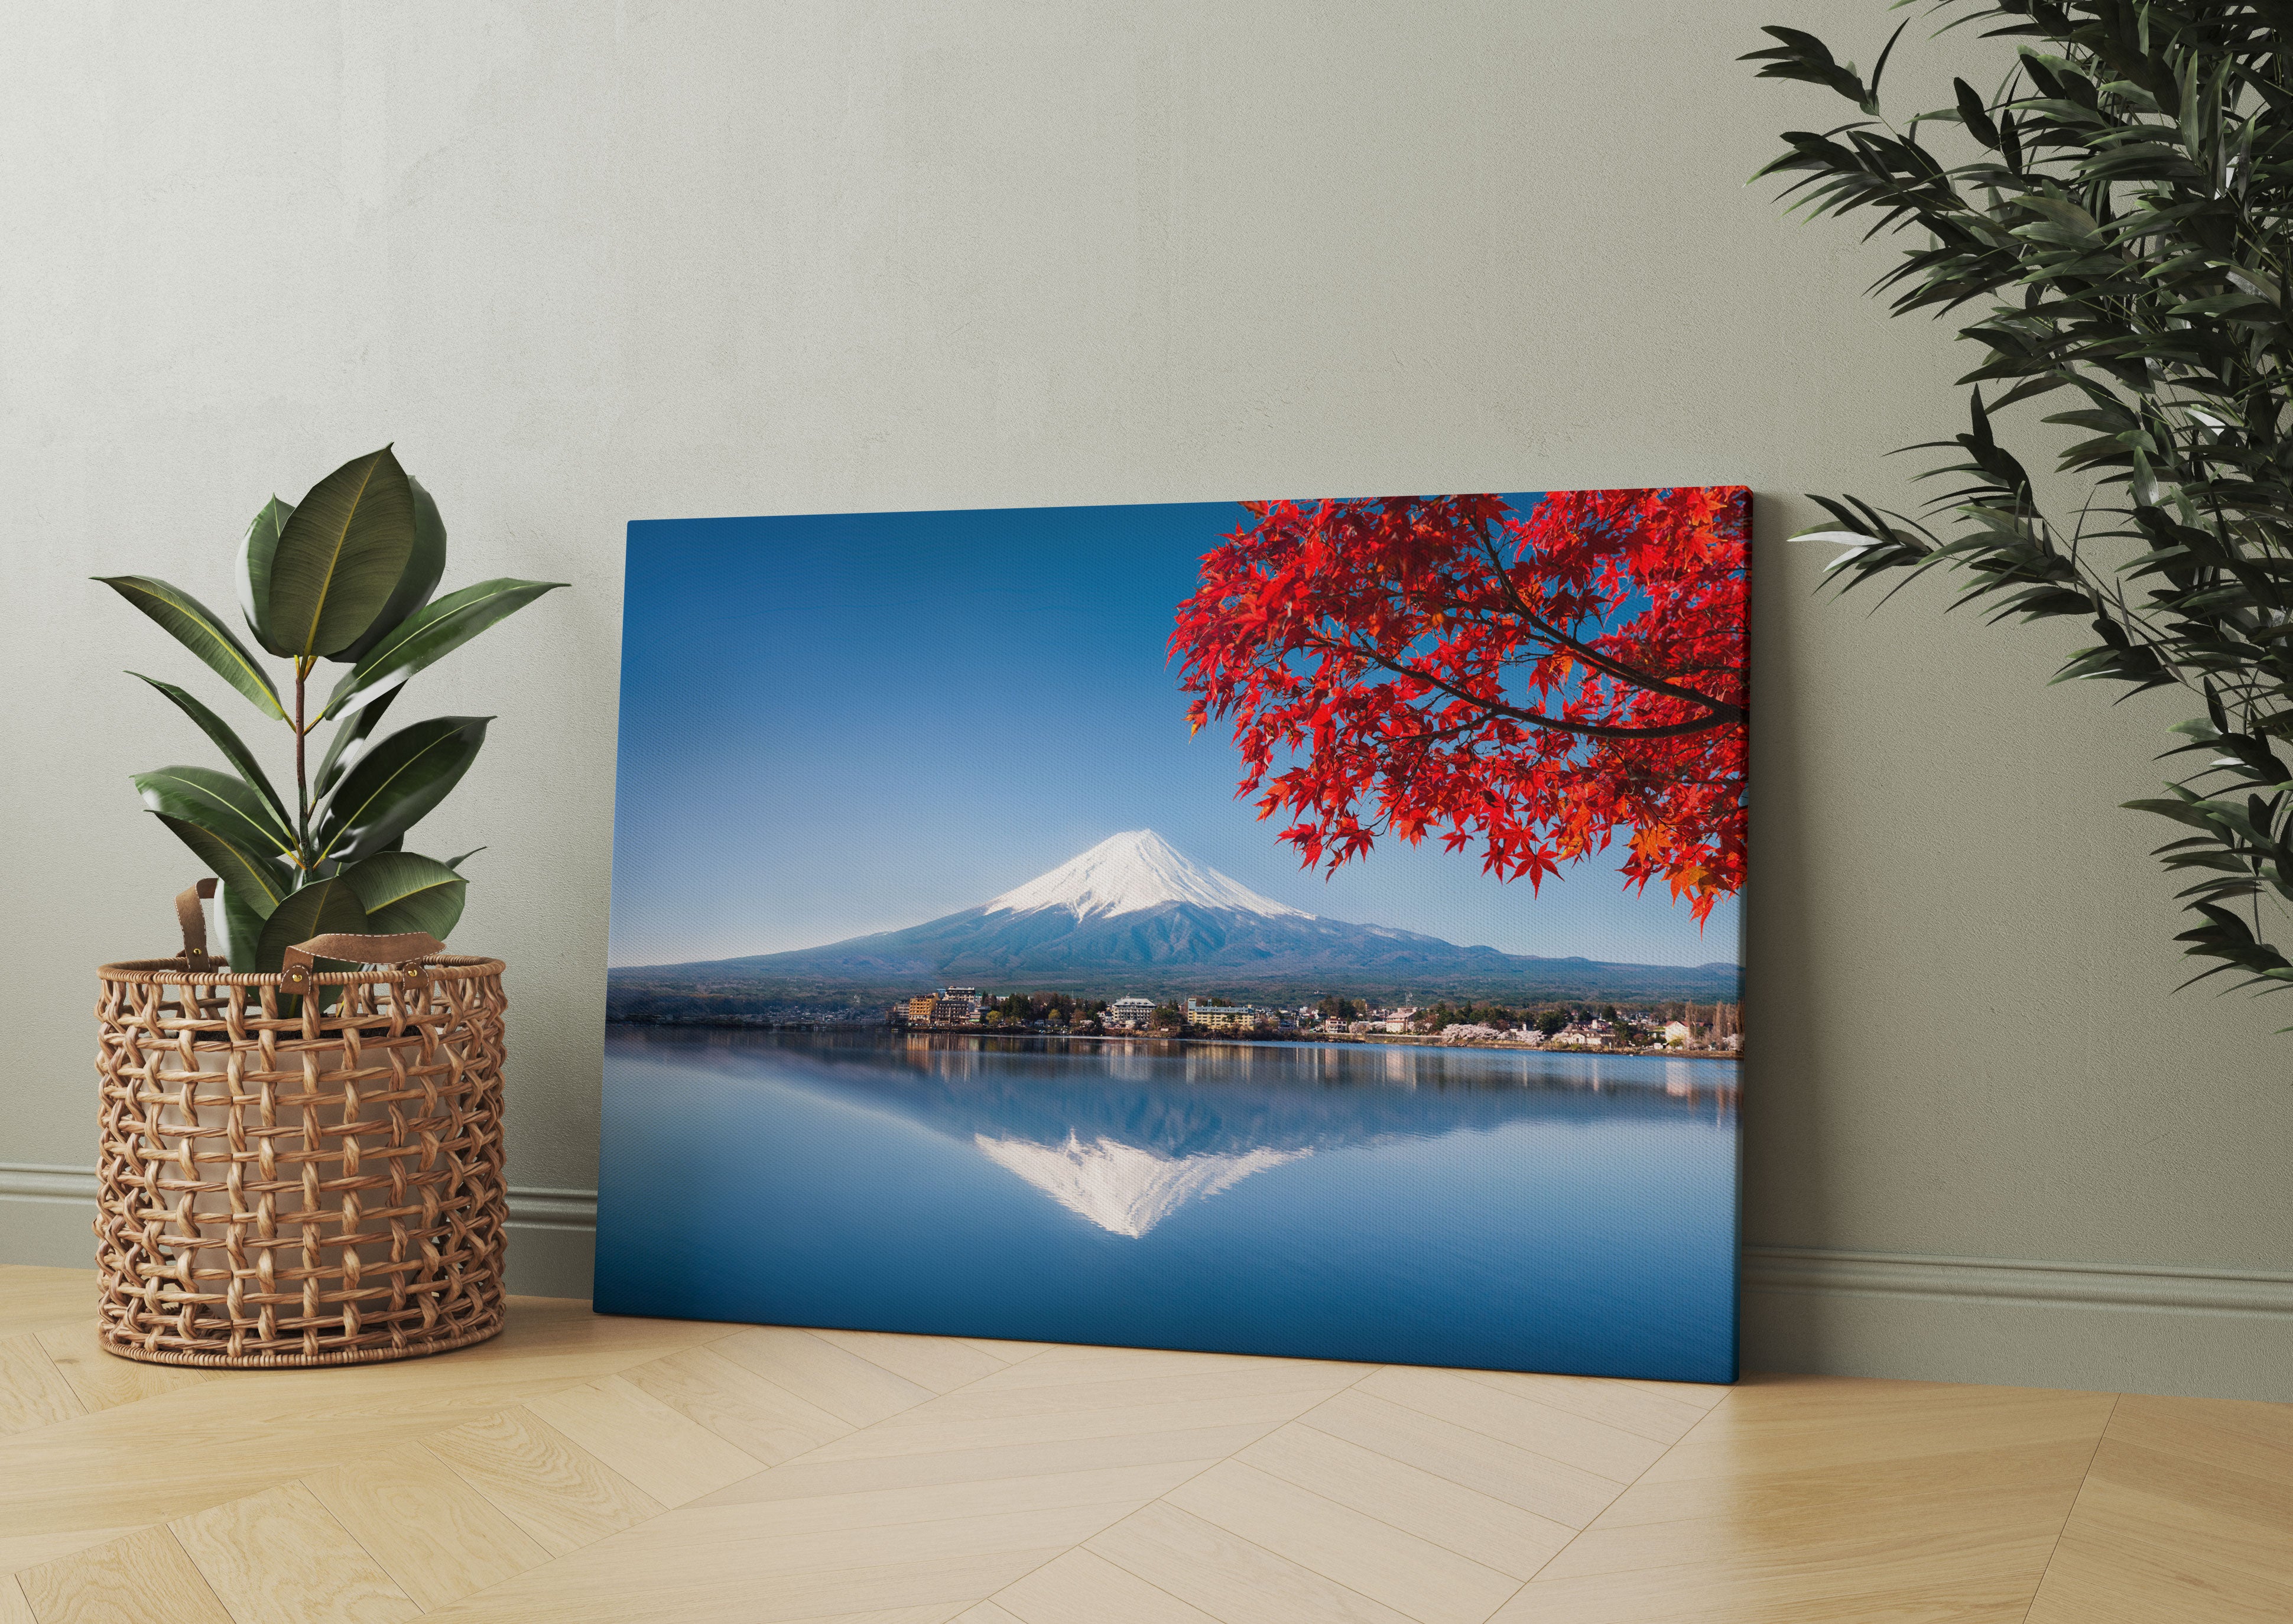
(583,1468)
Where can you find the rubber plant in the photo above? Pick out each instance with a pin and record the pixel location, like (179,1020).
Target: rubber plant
(345,576)
(2109,226)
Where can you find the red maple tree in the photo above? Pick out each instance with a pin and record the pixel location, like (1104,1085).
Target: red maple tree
(1534,682)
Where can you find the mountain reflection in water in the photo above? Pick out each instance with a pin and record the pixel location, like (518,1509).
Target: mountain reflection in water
(1125,1189)
(1453,1179)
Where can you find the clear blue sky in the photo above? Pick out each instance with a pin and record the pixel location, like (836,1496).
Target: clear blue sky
(836,724)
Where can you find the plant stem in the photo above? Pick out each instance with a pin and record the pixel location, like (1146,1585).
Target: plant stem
(301,786)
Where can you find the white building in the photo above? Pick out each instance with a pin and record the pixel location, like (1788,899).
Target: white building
(1676,1034)
(1132,1013)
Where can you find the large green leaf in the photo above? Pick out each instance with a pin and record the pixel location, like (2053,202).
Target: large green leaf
(233,748)
(217,801)
(318,909)
(349,743)
(429,634)
(340,556)
(395,784)
(401,891)
(256,549)
(424,565)
(242,927)
(261,880)
(196,627)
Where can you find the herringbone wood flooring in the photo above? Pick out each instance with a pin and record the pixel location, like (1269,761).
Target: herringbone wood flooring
(587,1469)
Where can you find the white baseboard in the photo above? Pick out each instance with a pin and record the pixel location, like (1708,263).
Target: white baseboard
(534,1206)
(2216,1333)
(43,1219)
(31,1182)
(2115,1327)
(2021,1280)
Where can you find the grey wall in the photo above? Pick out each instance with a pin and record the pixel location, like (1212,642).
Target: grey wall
(588,263)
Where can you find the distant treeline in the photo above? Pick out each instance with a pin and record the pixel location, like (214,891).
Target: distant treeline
(643,1003)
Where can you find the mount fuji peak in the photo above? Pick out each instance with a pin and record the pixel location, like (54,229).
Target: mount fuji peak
(1130,874)
(1132,915)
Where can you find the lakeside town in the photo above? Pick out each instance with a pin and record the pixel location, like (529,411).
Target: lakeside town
(1673,1027)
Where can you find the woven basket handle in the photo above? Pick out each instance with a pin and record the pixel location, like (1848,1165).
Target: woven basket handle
(295,964)
(193,919)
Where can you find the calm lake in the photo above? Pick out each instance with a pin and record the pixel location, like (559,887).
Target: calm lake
(1487,1208)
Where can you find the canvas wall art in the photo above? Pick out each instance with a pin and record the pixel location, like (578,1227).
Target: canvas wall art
(1302,927)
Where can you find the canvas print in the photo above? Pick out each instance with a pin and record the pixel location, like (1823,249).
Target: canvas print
(1301,926)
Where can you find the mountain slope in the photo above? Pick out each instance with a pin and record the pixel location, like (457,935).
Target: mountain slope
(1134,915)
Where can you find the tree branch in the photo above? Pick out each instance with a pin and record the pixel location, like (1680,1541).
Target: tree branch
(1592,656)
(1538,718)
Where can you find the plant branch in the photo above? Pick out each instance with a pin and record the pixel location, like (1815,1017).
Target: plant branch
(302,779)
(2126,204)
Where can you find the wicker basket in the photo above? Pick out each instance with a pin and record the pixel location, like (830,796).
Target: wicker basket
(293,1176)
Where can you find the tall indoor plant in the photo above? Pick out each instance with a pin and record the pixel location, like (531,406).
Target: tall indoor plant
(346,575)
(2111,223)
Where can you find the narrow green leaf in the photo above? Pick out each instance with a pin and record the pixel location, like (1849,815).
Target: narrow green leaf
(456,862)
(256,550)
(430,634)
(1870,103)
(233,748)
(262,881)
(424,565)
(395,784)
(320,908)
(217,801)
(340,556)
(197,627)
(401,891)
(349,743)
(2179,811)
(1974,115)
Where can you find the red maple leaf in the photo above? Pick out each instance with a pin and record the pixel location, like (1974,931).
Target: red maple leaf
(1535,685)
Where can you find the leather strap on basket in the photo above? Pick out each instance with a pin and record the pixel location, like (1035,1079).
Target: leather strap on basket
(193,919)
(296,963)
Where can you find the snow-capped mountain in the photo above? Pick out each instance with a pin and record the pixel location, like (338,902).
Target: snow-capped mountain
(1129,873)
(1134,914)
(1125,1189)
